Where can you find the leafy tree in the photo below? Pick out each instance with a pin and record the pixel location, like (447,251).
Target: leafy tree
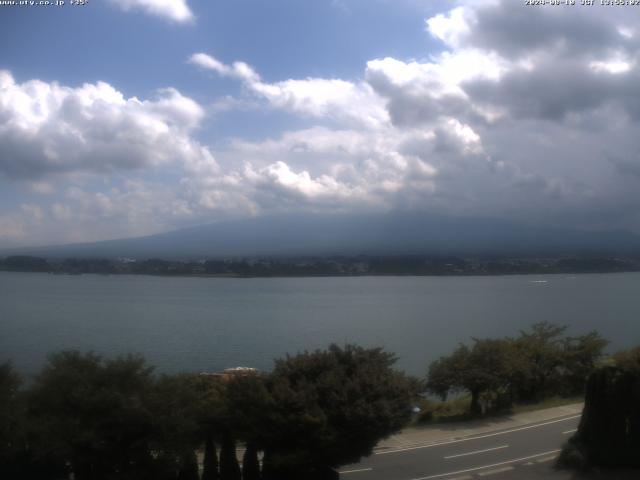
(17,457)
(485,368)
(330,408)
(13,439)
(550,363)
(9,408)
(246,402)
(541,354)
(92,414)
(174,404)
(580,356)
(628,360)
(539,362)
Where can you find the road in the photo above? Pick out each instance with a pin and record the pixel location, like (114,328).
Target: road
(490,453)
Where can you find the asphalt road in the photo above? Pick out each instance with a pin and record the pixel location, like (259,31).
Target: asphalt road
(500,452)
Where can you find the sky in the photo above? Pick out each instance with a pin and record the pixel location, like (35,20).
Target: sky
(122,118)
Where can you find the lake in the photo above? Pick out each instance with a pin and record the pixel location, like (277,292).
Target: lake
(207,324)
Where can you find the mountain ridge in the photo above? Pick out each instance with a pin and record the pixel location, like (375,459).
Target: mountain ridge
(348,234)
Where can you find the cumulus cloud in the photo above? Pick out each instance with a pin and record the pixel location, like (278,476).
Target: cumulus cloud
(173,10)
(315,97)
(529,114)
(552,64)
(46,128)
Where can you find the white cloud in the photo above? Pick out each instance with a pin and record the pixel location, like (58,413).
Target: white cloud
(315,97)
(173,10)
(613,66)
(450,27)
(527,113)
(46,128)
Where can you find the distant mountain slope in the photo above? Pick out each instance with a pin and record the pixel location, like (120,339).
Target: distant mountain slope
(397,233)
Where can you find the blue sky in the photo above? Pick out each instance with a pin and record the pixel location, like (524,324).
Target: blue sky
(128,117)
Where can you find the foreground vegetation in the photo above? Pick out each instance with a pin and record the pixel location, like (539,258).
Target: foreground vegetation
(609,430)
(104,419)
(497,374)
(114,419)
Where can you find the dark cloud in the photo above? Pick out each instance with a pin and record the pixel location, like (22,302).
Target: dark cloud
(555,88)
(514,30)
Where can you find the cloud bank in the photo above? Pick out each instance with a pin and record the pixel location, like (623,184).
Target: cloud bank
(527,114)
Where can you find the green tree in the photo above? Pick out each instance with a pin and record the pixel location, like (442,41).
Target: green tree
(628,360)
(540,352)
(92,414)
(174,405)
(12,422)
(247,401)
(10,411)
(330,408)
(485,368)
(580,356)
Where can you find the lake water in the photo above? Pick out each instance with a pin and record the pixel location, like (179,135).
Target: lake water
(207,324)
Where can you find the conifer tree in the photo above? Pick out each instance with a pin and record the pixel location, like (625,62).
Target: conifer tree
(210,463)
(229,468)
(250,463)
(189,467)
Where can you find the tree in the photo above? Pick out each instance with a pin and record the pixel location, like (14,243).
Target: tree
(580,356)
(250,463)
(609,430)
(12,433)
(329,408)
(538,363)
(210,462)
(540,351)
(485,368)
(174,404)
(229,467)
(93,413)
(550,363)
(9,408)
(628,360)
(188,466)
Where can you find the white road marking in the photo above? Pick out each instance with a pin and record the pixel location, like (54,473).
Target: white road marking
(570,431)
(477,451)
(515,460)
(356,471)
(495,471)
(449,442)
(547,459)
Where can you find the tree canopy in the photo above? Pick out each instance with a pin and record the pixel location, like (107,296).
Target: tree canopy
(540,362)
(331,407)
(115,419)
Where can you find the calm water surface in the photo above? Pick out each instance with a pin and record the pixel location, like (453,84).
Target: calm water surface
(206,324)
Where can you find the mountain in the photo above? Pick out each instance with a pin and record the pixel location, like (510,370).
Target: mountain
(388,234)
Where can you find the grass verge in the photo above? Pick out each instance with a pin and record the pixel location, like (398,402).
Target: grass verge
(457,409)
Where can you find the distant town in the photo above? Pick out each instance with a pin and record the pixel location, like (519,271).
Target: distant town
(361,265)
